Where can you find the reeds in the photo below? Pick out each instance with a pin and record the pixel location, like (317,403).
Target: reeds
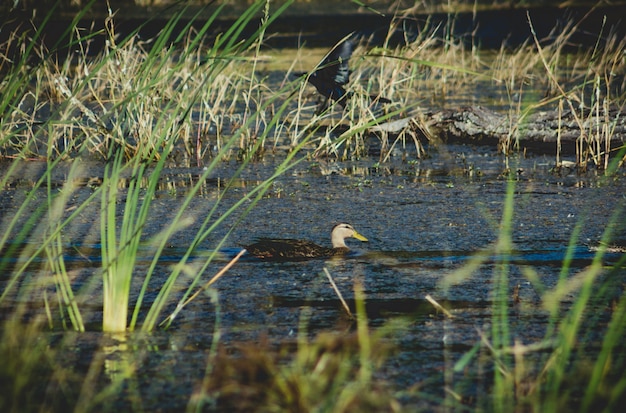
(87,104)
(331,372)
(554,373)
(132,105)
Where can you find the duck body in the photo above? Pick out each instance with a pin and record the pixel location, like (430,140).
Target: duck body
(277,248)
(285,249)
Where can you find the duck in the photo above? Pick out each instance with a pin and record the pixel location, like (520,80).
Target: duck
(285,249)
(332,74)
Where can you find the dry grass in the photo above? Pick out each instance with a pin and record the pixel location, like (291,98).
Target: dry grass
(200,96)
(130,94)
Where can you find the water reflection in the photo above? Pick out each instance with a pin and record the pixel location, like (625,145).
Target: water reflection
(176,181)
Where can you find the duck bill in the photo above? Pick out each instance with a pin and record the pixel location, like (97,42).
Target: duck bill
(359,236)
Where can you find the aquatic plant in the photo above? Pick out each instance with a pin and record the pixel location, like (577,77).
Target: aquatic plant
(125,94)
(58,108)
(138,134)
(145,125)
(331,372)
(591,102)
(554,373)
(581,84)
(582,87)
(119,253)
(142,135)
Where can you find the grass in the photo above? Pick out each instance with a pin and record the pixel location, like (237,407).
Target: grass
(556,373)
(331,372)
(141,106)
(115,98)
(137,129)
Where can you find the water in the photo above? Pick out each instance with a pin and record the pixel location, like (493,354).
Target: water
(425,220)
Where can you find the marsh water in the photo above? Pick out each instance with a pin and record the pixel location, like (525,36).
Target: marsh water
(424,219)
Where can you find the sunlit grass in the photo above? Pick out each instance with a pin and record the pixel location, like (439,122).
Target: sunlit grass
(136,91)
(133,107)
(583,87)
(122,96)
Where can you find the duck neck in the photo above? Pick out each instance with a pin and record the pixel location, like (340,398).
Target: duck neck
(338,241)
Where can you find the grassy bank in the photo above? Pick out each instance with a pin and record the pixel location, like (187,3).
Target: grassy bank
(201,93)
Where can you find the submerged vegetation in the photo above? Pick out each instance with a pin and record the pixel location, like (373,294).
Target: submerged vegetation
(110,121)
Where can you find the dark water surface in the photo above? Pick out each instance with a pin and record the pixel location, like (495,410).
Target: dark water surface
(322,24)
(424,220)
